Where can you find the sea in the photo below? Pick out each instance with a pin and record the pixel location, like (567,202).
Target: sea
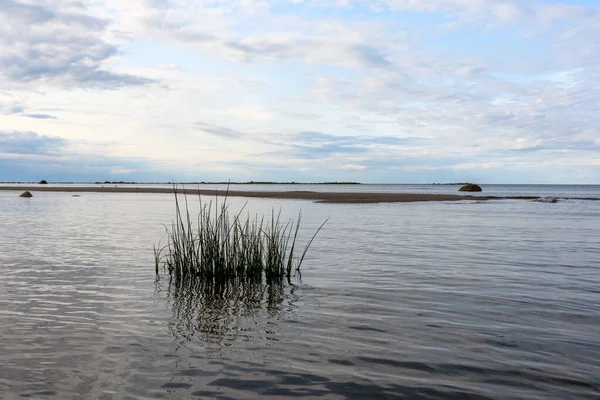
(473,299)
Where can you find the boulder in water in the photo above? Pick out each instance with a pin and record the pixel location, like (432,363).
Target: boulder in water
(43,182)
(470,187)
(26,193)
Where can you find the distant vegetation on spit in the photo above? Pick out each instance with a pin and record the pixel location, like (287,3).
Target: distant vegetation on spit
(217,246)
(234,183)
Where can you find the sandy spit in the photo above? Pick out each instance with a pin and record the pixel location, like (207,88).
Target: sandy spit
(322,197)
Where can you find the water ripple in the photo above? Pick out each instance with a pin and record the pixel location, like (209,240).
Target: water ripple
(419,301)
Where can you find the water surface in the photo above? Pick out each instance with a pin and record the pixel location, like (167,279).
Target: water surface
(495,299)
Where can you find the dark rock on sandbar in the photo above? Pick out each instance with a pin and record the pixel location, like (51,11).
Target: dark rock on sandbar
(26,193)
(470,187)
(43,182)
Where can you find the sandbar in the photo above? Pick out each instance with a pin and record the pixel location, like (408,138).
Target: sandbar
(321,197)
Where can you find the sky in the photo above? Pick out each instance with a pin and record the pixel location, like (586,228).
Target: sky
(385,91)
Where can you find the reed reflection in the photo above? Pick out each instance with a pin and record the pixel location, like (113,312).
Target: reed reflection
(220,312)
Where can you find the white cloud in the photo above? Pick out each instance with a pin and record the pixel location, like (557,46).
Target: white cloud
(235,86)
(353,167)
(57,43)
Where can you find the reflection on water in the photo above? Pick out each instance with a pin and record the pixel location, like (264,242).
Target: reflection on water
(219,312)
(468,300)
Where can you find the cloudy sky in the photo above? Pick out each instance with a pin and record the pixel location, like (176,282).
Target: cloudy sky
(390,91)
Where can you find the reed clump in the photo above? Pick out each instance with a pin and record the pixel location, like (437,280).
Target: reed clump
(217,246)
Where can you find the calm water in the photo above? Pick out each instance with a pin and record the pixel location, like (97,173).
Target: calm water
(560,191)
(496,299)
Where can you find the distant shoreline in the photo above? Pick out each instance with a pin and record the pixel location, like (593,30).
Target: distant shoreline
(321,197)
(186,183)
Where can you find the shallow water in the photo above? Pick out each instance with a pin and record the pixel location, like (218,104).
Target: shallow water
(496,299)
(558,191)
